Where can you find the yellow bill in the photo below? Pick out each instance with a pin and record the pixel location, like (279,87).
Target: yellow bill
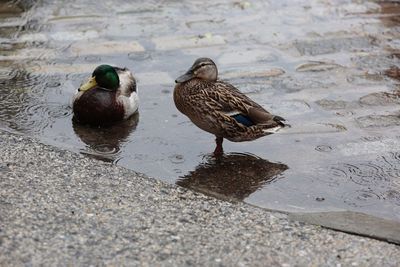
(88,85)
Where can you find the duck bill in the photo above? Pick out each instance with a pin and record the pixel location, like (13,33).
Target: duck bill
(91,83)
(185,77)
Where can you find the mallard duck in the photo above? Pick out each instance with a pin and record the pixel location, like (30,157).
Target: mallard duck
(107,97)
(219,108)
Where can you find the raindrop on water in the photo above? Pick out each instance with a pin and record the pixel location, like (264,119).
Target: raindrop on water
(361,198)
(53,84)
(176,158)
(323,148)
(92,58)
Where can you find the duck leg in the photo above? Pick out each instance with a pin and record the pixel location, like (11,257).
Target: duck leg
(218,149)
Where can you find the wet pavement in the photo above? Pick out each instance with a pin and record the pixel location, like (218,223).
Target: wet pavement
(329,68)
(71,210)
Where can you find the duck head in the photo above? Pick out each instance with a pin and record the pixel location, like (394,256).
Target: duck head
(104,76)
(202,68)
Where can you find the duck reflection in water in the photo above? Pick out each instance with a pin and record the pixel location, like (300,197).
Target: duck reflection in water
(233,176)
(104,142)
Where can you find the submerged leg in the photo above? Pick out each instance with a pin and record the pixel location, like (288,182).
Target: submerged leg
(218,150)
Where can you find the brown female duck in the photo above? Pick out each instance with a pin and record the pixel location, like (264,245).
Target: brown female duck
(219,108)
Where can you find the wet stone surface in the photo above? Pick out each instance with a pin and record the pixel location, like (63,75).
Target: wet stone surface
(70,210)
(330,69)
(347,221)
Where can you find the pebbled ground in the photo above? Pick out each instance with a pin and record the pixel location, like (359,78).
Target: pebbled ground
(63,209)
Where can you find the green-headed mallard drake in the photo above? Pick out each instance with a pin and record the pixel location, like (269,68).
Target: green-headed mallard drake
(219,108)
(107,97)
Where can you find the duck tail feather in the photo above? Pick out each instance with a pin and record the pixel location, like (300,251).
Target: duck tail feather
(272,130)
(281,121)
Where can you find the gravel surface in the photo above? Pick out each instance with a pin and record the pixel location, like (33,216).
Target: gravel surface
(60,208)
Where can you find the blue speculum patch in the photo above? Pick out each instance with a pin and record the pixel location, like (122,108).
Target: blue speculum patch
(243,120)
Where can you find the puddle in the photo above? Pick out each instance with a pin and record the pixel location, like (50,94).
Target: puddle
(232,177)
(331,72)
(105,143)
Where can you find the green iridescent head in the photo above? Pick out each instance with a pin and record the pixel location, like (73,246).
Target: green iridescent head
(104,76)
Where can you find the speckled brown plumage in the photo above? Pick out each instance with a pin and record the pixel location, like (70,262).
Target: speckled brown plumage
(208,103)
(219,108)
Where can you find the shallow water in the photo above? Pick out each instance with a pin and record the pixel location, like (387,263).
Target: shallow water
(321,65)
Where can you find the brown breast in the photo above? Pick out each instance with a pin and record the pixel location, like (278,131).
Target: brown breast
(179,98)
(98,107)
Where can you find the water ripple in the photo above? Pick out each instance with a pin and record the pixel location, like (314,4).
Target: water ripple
(393,196)
(361,198)
(365,174)
(39,116)
(23,106)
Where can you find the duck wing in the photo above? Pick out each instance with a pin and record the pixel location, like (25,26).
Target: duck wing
(127,82)
(235,104)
